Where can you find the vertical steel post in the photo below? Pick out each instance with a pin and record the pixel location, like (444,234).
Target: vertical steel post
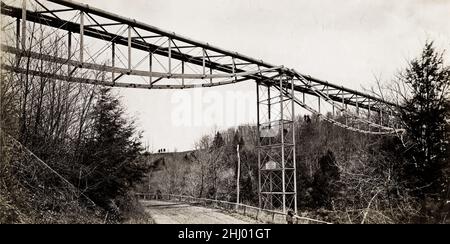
(269,107)
(357,105)
(271,173)
(269,114)
(258,134)
(283,163)
(203,62)
(294,157)
(81,38)
(18,40)
(170,57)
(182,72)
(113,61)
(129,49)
(24,24)
(69,52)
(150,67)
(210,72)
(18,33)
(234,69)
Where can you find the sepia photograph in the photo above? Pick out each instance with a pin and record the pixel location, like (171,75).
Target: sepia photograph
(245,113)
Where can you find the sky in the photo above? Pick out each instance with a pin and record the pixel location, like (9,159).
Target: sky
(345,42)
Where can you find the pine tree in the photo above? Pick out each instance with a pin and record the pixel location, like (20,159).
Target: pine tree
(238,140)
(112,152)
(218,141)
(426,119)
(326,181)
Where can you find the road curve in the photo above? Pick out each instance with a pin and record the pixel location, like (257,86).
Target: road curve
(182,213)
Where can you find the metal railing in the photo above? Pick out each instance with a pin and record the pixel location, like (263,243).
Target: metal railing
(263,215)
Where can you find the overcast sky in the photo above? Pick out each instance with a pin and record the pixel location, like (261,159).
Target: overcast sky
(345,42)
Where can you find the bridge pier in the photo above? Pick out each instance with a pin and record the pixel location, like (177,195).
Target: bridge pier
(276,145)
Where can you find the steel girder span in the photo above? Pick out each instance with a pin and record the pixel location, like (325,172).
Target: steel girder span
(92,46)
(90,39)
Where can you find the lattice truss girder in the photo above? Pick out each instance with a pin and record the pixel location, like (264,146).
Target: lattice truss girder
(345,108)
(88,45)
(98,41)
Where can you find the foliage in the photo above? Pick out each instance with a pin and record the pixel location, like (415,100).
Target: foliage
(55,120)
(110,154)
(326,181)
(425,114)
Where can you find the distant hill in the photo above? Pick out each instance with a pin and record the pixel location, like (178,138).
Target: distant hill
(157,161)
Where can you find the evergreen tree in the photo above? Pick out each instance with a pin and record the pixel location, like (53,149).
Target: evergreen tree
(326,181)
(247,192)
(218,141)
(111,154)
(425,117)
(238,140)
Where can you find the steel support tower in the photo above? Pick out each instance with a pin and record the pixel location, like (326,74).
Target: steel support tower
(276,144)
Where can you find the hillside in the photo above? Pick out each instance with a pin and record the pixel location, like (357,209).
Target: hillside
(159,164)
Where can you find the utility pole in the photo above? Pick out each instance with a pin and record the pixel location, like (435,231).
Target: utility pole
(238,176)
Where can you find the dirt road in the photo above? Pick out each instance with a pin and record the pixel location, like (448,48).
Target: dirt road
(181,213)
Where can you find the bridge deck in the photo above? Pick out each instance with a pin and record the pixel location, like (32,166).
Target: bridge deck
(181,213)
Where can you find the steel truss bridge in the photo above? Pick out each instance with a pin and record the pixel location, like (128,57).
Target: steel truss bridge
(96,47)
